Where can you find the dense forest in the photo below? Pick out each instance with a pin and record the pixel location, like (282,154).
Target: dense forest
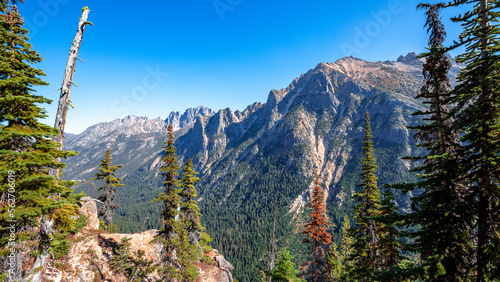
(436,218)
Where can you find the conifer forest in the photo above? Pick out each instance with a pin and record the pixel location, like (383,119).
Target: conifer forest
(359,170)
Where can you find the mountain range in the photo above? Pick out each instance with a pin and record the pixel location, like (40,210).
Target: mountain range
(266,155)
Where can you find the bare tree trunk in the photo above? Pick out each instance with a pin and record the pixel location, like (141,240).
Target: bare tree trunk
(47,226)
(62,109)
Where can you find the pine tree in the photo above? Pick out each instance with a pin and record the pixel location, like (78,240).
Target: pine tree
(364,256)
(189,207)
(317,234)
(272,243)
(441,212)
(476,101)
(345,248)
(389,246)
(28,194)
(171,231)
(182,235)
(285,269)
(443,238)
(334,263)
(121,261)
(111,181)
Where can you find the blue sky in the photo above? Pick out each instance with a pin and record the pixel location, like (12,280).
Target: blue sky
(151,59)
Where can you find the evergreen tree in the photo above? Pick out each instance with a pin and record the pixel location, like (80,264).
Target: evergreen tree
(443,238)
(111,181)
(442,213)
(334,263)
(189,207)
(317,234)
(135,268)
(272,243)
(285,270)
(389,246)
(28,195)
(171,231)
(121,261)
(345,248)
(476,101)
(364,256)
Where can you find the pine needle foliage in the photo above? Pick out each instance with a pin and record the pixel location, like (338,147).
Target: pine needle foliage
(107,174)
(441,210)
(390,245)
(189,207)
(28,194)
(182,235)
(285,271)
(364,255)
(170,235)
(476,106)
(345,248)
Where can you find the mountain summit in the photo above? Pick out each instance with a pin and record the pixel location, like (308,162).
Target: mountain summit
(269,151)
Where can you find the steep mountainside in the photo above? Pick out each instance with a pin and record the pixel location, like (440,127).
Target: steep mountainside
(269,152)
(131,139)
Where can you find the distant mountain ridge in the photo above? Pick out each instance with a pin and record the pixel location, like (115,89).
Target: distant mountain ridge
(178,120)
(268,151)
(133,136)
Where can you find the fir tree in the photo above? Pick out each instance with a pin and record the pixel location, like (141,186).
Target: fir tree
(476,101)
(443,238)
(189,207)
(111,181)
(389,246)
(345,248)
(317,234)
(285,270)
(441,212)
(28,194)
(364,256)
(334,263)
(169,234)
(121,261)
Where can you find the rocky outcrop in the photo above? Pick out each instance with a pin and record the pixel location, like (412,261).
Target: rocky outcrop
(92,251)
(178,120)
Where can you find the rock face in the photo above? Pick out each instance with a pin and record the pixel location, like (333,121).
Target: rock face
(92,250)
(246,158)
(131,140)
(178,120)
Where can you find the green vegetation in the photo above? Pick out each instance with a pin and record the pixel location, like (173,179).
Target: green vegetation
(30,197)
(123,262)
(285,269)
(181,235)
(442,224)
(364,255)
(455,218)
(111,181)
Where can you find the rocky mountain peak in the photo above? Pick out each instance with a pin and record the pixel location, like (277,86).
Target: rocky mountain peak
(135,125)
(410,59)
(178,120)
(313,125)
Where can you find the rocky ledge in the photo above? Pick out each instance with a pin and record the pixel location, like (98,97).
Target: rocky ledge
(92,250)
